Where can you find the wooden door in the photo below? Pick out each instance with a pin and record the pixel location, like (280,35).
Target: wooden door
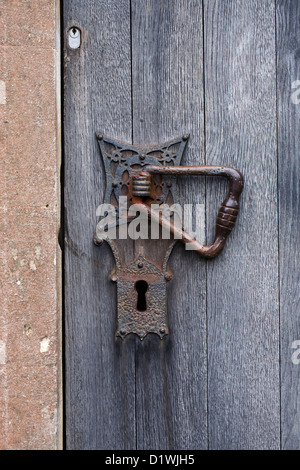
(226,72)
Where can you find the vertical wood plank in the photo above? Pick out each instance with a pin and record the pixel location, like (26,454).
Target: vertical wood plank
(167,79)
(99,372)
(288,94)
(242,283)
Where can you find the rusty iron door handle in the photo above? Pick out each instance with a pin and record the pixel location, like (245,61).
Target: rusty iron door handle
(227,213)
(145,177)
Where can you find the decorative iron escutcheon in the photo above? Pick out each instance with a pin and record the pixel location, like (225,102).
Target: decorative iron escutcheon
(144,178)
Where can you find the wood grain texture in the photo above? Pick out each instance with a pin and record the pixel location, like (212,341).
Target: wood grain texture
(167,84)
(288,94)
(148,71)
(99,372)
(242,283)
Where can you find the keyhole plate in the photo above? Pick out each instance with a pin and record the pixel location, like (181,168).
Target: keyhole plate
(74,37)
(142,305)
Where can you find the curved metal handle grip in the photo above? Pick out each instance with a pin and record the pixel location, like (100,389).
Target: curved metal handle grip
(228,211)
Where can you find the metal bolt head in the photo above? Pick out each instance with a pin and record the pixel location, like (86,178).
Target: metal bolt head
(113,277)
(115,183)
(122,331)
(97,241)
(162,330)
(168,276)
(140,264)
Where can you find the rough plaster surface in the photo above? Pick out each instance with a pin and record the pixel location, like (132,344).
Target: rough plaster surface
(30,368)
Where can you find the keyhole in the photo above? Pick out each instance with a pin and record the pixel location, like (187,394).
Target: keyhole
(141,288)
(74,36)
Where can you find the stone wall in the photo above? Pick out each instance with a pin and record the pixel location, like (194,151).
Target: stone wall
(30,258)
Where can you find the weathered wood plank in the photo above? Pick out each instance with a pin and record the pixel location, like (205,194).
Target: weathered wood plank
(242,283)
(288,93)
(167,81)
(99,373)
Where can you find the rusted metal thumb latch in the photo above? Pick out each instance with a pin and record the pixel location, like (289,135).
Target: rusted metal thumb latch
(142,180)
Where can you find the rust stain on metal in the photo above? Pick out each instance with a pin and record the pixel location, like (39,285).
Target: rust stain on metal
(147,176)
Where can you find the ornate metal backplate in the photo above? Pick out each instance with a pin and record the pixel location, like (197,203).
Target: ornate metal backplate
(121,162)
